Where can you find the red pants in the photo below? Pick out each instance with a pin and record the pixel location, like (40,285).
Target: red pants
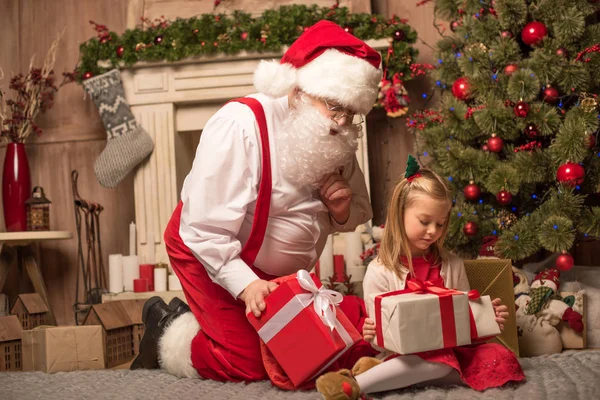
(227,348)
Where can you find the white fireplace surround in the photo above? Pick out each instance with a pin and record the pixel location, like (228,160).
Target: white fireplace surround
(173,102)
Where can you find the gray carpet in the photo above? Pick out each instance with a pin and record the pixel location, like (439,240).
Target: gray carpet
(567,376)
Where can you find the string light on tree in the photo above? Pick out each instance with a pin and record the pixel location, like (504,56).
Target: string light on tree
(533,33)
(472,191)
(565,261)
(495,144)
(571,174)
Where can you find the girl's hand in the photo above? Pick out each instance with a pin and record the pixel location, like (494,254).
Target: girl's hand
(369,330)
(501,312)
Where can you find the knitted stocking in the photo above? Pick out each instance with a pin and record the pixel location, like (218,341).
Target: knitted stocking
(128,143)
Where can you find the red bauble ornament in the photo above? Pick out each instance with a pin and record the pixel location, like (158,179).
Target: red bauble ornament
(472,191)
(244,35)
(565,262)
(461,89)
(470,228)
(159,39)
(87,75)
(399,36)
(531,130)
(510,69)
(495,144)
(104,39)
(522,109)
(349,29)
(454,25)
(550,95)
(590,141)
(571,174)
(506,34)
(120,51)
(504,197)
(533,33)
(562,52)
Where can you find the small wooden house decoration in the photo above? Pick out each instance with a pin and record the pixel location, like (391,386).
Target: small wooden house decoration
(118,331)
(31,310)
(10,343)
(38,211)
(134,310)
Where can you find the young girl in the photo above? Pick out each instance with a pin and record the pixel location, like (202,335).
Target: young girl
(412,247)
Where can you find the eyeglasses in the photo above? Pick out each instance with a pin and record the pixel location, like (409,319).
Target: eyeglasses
(339,113)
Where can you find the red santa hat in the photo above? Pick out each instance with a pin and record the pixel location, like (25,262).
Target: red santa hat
(552,275)
(326,62)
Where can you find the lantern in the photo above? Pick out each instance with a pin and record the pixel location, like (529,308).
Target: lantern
(38,211)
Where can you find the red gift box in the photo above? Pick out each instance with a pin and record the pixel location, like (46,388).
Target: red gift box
(303,328)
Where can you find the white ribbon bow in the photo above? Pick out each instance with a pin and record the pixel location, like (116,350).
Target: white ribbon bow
(324,300)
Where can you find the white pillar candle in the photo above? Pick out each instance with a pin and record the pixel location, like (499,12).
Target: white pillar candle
(115,273)
(354,248)
(131,271)
(174,283)
(150,248)
(326,260)
(132,242)
(160,279)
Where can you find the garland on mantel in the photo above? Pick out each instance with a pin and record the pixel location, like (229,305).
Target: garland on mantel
(211,34)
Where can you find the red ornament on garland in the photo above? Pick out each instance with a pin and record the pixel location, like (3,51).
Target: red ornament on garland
(461,88)
(472,191)
(533,33)
(244,35)
(531,130)
(104,39)
(120,51)
(510,69)
(521,109)
(470,228)
(550,95)
(504,197)
(495,144)
(570,173)
(87,75)
(565,262)
(399,35)
(159,39)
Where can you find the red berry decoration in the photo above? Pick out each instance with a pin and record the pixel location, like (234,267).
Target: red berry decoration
(570,173)
(510,69)
(504,197)
(87,75)
(562,52)
(454,25)
(461,89)
(522,109)
(472,191)
(533,33)
(470,228)
(120,51)
(565,262)
(159,39)
(531,130)
(550,95)
(506,34)
(495,144)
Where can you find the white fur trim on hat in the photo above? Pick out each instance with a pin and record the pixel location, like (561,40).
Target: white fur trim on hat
(274,79)
(175,346)
(351,81)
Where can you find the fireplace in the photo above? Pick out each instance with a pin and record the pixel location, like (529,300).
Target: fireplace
(173,102)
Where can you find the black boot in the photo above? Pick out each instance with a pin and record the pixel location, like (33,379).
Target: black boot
(179,306)
(156,316)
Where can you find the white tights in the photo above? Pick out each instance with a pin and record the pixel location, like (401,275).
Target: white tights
(404,371)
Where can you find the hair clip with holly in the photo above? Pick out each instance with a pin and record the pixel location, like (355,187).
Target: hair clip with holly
(412,169)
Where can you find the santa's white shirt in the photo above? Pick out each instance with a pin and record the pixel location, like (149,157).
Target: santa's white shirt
(219,198)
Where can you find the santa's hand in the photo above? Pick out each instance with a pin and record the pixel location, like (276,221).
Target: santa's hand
(501,312)
(369,329)
(336,194)
(254,295)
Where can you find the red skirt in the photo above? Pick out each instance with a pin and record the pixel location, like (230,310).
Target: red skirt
(481,366)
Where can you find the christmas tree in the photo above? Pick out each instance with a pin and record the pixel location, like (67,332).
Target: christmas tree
(515,129)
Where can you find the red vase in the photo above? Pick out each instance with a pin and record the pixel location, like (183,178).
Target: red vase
(16,187)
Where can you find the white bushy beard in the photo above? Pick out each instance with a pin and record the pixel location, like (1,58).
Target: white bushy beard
(307,151)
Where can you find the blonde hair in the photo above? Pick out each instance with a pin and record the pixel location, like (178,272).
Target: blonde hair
(394,243)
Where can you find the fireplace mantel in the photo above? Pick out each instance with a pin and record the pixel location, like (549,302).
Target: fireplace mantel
(173,102)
